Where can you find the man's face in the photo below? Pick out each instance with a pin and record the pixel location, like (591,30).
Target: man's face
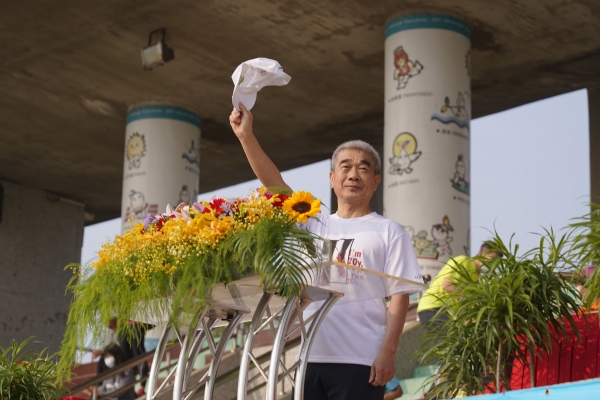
(490,255)
(353,178)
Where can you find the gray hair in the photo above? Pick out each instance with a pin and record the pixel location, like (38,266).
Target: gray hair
(360,146)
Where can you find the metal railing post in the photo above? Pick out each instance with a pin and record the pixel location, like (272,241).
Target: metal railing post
(283,380)
(168,360)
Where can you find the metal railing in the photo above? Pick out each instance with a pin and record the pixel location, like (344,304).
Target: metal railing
(221,380)
(131,363)
(234,373)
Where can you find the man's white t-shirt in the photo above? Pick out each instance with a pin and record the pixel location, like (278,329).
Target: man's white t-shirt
(352,333)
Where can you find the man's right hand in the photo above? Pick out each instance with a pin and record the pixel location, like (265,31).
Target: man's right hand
(241,121)
(264,169)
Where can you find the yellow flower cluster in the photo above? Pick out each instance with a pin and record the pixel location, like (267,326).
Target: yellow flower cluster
(163,242)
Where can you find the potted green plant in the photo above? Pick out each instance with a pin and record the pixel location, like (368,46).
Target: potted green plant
(27,375)
(586,249)
(513,308)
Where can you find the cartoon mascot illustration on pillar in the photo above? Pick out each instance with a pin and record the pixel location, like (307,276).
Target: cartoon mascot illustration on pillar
(438,246)
(138,204)
(184,195)
(135,149)
(405,153)
(460,180)
(441,236)
(404,68)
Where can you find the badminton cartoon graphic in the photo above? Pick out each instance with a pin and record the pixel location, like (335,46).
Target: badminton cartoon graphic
(405,153)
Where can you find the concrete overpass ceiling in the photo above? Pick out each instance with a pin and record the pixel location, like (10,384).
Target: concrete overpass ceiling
(69,70)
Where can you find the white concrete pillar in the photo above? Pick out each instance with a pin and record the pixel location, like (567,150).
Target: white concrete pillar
(426,134)
(162,159)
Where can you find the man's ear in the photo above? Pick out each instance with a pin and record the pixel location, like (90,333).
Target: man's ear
(331,178)
(377,181)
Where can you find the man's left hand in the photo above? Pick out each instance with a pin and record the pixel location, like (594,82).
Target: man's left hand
(383,369)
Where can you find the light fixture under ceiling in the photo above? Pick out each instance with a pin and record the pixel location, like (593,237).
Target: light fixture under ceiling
(157,53)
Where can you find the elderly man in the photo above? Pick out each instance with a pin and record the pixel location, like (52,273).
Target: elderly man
(352,356)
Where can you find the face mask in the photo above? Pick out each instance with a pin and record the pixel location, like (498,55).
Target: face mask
(109,361)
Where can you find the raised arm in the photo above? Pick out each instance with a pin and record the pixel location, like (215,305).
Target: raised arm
(264,169)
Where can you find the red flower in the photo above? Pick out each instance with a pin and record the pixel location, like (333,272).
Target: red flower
(280,199)
(159,224)
(216,206)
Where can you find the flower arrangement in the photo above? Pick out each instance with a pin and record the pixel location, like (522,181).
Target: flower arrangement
(182,253)
(163,242)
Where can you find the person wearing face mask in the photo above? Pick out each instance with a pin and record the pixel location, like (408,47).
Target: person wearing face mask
(132,346)
(112,356)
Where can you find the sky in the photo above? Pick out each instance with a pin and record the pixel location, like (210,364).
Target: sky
(529,170)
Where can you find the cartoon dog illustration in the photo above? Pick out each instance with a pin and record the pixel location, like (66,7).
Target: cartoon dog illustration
(405,68)
(401,163)
(441,236)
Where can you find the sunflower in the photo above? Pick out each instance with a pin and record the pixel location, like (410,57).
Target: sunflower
(301,205)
